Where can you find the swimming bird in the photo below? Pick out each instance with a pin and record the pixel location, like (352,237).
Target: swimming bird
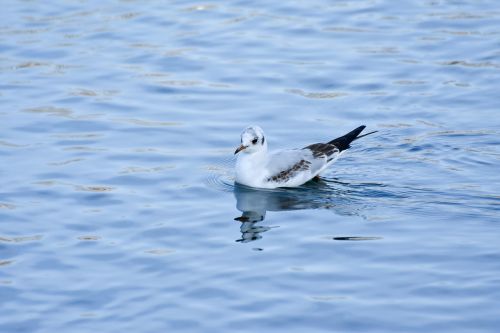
(256,167)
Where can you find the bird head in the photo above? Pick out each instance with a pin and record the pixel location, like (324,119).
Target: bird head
(252,140)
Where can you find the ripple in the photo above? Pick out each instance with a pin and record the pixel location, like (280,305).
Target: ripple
(347,29)
(94,188)
(74,160)
(85,149)
(378,50)
(76,187)
(456,83)
(328,298)
(4,205)
(462,16)
(89,238)
(133,169)
(221,175)
(468,33)
(21,239)
(220,182)
(410,82)
(485,64)
(200,8)
(22,31)
(6,262)
(77,135)
(316,95)
(160,251)
(147,123)
(51,110)
(31,64)
(12,145)
(94,93)
(69,114)
(356,238)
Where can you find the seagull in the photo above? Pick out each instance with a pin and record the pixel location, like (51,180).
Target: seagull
(256,167)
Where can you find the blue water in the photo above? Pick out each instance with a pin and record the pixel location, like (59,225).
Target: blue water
(118,121)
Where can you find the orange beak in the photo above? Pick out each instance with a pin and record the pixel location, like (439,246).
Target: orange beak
(240,148)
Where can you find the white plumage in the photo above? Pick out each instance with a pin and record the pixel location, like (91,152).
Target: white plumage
(256,167)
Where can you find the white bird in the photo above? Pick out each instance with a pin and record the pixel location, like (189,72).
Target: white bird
(256,167)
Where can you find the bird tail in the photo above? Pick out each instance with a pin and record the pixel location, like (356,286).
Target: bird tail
(343,142)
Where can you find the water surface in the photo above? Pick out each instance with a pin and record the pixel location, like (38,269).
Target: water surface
(118,209)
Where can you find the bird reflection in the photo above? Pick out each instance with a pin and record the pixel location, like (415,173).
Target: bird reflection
(254,204)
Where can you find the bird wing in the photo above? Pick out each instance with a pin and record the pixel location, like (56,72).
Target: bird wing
(323,150)
(285,165)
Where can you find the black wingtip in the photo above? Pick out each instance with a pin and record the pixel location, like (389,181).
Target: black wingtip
(343,142)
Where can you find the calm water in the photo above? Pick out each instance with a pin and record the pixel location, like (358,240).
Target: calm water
(118,122)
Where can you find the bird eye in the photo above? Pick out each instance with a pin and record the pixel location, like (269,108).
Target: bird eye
(254,141)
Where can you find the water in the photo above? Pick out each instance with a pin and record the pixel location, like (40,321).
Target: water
(117,205)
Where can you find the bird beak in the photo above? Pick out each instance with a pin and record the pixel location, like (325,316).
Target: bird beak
(240,148)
